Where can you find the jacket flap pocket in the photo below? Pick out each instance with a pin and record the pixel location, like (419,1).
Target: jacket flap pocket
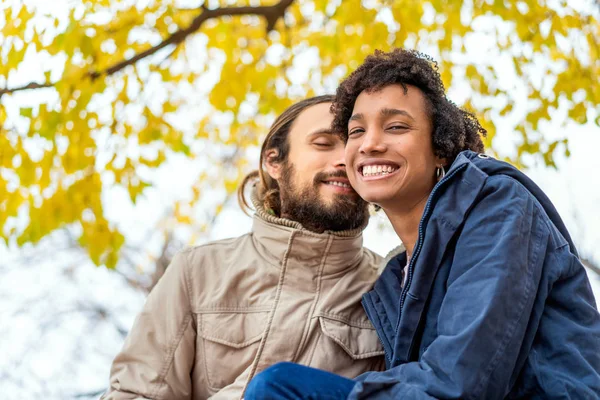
(358,341)
(233,329)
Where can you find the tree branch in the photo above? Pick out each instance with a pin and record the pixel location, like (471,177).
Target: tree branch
(31,85)
(589,264)
(271,13)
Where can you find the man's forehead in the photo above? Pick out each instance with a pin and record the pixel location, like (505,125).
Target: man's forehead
(315,119)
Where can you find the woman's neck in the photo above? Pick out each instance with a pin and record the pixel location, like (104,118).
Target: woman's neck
(405,222)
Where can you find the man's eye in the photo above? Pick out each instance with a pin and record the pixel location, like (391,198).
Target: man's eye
(355,131)
(398,127)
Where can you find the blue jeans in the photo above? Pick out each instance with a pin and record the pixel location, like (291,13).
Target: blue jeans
(289,381)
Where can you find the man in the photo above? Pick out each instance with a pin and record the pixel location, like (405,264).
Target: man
(289,290)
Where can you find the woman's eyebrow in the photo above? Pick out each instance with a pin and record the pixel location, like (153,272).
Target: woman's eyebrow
(388,112)
(356,117)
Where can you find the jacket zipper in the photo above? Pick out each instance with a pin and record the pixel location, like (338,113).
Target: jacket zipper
(414,257)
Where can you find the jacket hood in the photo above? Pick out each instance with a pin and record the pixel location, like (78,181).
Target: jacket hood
(491,166)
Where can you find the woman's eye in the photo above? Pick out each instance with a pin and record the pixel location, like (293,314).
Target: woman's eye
(322,144)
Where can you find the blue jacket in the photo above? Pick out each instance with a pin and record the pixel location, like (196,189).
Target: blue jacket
(496,303)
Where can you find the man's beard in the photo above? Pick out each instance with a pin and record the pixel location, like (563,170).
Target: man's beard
(305,205)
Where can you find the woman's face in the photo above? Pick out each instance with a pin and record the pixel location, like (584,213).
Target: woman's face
(389,154)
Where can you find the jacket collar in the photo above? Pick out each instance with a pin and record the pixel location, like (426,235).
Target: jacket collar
(281,240)
(395,252)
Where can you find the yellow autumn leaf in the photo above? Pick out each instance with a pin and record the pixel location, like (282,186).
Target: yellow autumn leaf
(125,83)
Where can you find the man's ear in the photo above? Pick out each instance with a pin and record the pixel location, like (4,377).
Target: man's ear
(273,168)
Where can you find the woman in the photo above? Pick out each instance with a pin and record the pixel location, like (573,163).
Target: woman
(489,300)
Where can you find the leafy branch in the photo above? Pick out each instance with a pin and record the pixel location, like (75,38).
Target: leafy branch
(271,13)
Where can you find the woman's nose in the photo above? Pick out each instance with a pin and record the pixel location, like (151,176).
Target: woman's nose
(372,142)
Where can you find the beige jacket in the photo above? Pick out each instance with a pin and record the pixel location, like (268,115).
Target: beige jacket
(226,310)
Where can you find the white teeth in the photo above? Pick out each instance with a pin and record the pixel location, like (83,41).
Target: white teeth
(374,170)
(336,183)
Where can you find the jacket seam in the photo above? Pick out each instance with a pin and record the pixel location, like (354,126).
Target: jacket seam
(347,349)
(319,336)
(229,343)
(188,284)
(170,356)
(211,385)
(222,242)
(204,356)
(341,318)
(307,324)
(175,343)
(261,346)
(511,331)
(231,310)
(545,219)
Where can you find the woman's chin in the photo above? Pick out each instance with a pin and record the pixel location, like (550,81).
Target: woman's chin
(374,199)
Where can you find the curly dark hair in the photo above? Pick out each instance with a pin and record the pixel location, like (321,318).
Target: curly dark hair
(454,129)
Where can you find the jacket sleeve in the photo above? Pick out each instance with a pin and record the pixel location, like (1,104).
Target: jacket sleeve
(158,355)
(491,290)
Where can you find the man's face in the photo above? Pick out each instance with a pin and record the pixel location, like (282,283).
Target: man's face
(314,188)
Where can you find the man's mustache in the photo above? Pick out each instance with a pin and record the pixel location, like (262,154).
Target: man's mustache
(321,176)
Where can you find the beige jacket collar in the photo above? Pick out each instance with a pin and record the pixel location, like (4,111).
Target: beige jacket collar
(282,240)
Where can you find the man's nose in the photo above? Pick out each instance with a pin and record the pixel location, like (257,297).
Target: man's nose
(339,162)
(372,142)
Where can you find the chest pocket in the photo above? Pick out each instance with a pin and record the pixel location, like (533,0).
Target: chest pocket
(229,344)
(348,349)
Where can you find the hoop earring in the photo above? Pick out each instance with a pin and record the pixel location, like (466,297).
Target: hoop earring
(440,172)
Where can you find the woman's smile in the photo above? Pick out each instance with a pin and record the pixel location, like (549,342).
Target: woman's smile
(372,170)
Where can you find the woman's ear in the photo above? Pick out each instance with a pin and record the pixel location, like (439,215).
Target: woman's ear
(273,167)
(441,162)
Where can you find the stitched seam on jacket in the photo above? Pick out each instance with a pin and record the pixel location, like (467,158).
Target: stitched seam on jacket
(204,357)
(175,343)
(314,348)
(537,206)
(511,330)
(188,284)
(229,343)
(170,356)
(210,384)
(347,349)
(232,310)
(304,336)
(342,318)
(261,346)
